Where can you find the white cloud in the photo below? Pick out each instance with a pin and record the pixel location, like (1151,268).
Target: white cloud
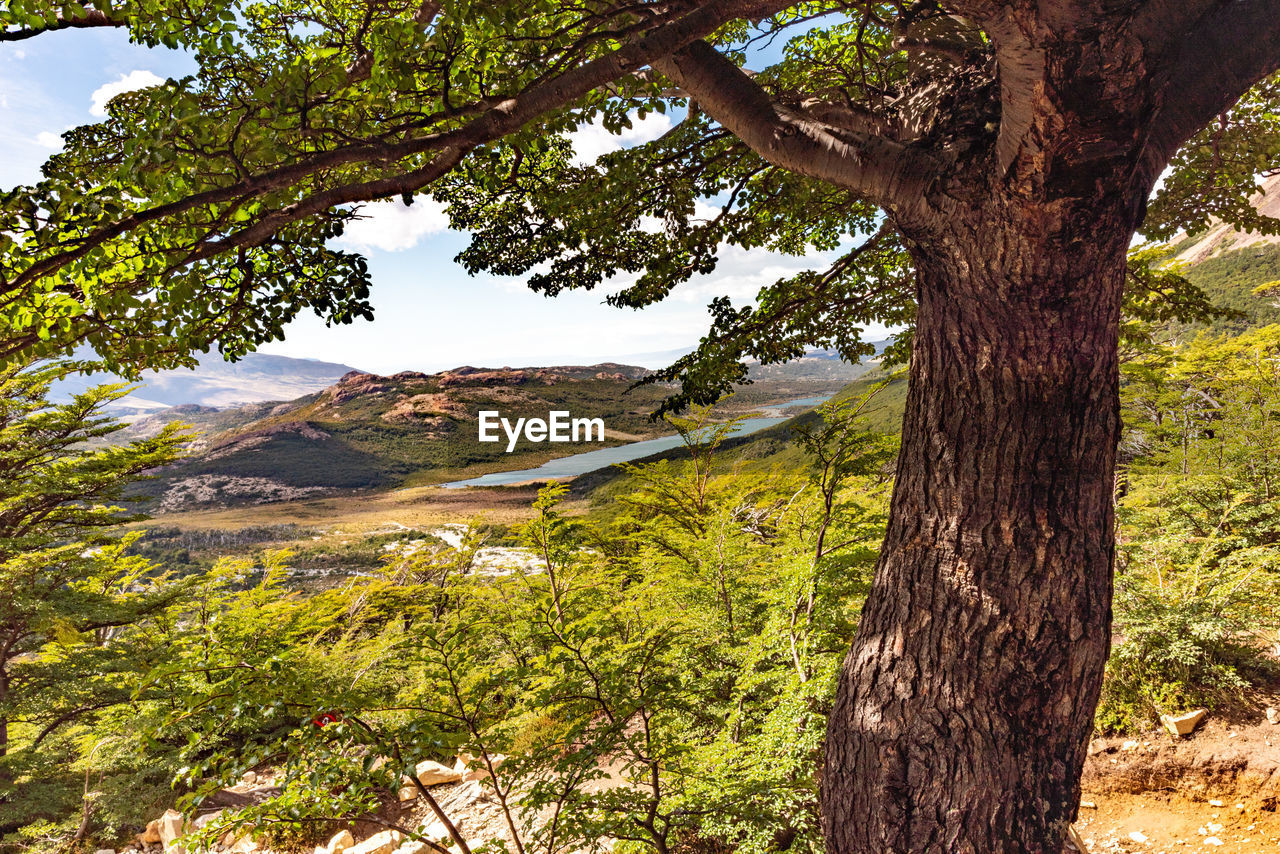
(136,79)
(19,54)
(741,273)
(48,139)
(392,227)
(590,141)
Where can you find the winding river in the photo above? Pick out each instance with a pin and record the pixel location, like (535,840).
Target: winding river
(581,463)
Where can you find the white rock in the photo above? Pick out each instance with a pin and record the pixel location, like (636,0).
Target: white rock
(413,846)
(1215,803)
(340,842)
(433,773)
(407,793)
(249,777)
(435,831)
(1138,836)
(465,760)
(1213,828)
(1213,840)
(1273,716)
(1129,745)
(105,851)
(380,843)
(1183,725)
(151,835)
(245,845)
(172,825)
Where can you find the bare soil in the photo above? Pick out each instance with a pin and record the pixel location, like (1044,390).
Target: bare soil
(1215,790)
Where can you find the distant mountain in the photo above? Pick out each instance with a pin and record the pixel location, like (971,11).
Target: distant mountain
(366,431)
(816,365)
(216,383)
(1222,238)
(1229,266)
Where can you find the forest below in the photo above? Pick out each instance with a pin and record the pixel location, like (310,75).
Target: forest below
(656,675)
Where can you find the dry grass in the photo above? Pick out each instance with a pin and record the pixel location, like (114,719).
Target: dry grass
(413,507)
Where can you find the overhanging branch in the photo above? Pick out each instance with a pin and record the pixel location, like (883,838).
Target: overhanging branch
(91,19)
(1216,60)
(889,173)
(451,146)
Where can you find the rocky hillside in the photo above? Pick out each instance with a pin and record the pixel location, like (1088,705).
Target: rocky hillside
(1223,238)
(1230,267)
(368,431)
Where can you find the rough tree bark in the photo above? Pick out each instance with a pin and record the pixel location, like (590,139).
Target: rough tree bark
(967,701)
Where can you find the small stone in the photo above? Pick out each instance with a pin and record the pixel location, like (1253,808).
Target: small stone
(408,793)
(340,842)
(380,843)
(1273,715)
(105,851)
(1138,836)
(1215,803)
(1088,805)
(249,777)
(151,835)
(1183,725)
(172,824)
(1129,745)
(1213,828)
(1212,840)
(431,773)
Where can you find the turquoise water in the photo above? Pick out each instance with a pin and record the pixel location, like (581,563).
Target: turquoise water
(576,464)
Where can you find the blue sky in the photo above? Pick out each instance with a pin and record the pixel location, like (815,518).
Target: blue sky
(429,314)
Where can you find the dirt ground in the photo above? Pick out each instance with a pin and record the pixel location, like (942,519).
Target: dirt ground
(1164,823)
(1215,790)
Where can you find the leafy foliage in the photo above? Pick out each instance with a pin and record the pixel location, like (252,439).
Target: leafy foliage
(1198,577)
(69,589)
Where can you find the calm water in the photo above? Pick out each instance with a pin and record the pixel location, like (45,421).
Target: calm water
(576,464)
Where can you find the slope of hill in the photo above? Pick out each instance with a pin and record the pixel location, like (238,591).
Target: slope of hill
(216,383)
(369,431)
(1229,266)
(1223,238)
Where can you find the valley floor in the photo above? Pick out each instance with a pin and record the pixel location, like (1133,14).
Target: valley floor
(413,507)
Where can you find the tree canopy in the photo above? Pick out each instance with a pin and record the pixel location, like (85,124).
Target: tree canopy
(201,212)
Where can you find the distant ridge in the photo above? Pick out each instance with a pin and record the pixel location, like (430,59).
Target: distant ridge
(1223,237)
(256,378)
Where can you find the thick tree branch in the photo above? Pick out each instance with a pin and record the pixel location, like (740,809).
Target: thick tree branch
(504,118)
(882,170)
(1219,58)
(92,18)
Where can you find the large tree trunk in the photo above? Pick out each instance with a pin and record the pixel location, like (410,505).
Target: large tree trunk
(966,704)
